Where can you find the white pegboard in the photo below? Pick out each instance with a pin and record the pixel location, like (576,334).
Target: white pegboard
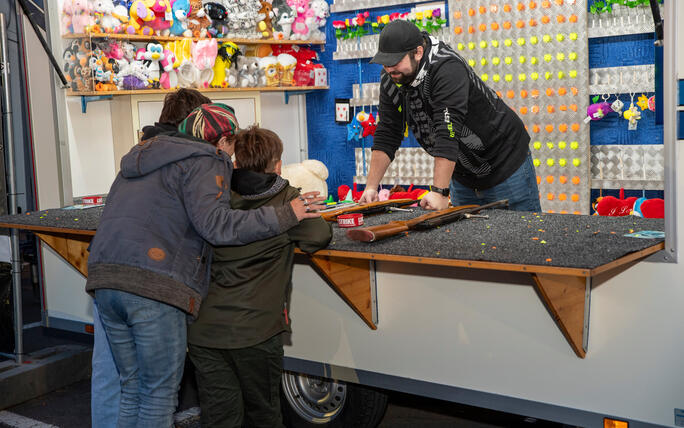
(622,80)
(628,166)
(622,21)
(369,97)
(353,5)
(411,165)
(367,46)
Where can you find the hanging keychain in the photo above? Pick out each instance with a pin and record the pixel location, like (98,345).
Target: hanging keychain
(643,102)
(598,110)
(633,114)
(617,105)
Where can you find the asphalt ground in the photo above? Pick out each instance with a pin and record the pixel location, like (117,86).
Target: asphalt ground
(69,407)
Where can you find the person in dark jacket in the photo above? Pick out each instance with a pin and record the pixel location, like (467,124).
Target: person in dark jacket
(236,344)
(105,391)
(149,261)
(479,144)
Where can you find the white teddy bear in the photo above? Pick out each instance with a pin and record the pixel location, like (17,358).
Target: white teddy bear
(309,176)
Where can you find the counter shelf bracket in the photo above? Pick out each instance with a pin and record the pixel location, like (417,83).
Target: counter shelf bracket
(354,281)
(85,99)
(567,298)
(288,93)
(373,291)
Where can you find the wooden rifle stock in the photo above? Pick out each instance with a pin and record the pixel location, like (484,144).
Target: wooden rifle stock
(393,228)
(370,208)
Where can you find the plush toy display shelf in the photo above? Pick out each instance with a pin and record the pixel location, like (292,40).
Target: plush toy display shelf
(142,38)
(164,91)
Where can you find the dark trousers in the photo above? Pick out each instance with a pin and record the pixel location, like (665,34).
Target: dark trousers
(240,387)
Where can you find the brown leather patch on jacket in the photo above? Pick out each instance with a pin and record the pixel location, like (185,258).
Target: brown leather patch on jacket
(156,254)
(220,182)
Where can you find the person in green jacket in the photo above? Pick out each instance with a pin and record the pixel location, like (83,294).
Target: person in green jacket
(236,344)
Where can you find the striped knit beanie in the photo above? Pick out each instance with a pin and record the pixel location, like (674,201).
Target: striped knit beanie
(210,122)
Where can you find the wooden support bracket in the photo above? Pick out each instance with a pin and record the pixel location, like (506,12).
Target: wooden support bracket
(354,281)
(568,298)
(73,248)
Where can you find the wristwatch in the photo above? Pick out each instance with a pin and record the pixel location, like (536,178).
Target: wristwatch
(442,191)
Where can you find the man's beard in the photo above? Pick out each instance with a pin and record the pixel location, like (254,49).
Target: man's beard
(405,79)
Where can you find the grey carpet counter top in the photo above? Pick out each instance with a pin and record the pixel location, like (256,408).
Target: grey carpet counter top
(559,240)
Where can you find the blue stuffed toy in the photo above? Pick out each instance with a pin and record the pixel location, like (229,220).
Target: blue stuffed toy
(354,130)
(180,10)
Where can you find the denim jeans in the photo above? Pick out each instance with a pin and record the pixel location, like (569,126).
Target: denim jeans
(148,341)
(105,388)
(520,189)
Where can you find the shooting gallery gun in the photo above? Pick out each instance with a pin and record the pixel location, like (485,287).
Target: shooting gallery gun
(368,209)
(423,222)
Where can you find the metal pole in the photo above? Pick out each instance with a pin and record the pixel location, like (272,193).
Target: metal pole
(12,193)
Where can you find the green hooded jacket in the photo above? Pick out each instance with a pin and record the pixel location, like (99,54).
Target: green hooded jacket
(250,285)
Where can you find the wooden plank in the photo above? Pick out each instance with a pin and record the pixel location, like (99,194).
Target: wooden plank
(49,229)
(564,297)
(73,248)
(142,38)
(475,264)
(635,256)
(165,91)
(350,278)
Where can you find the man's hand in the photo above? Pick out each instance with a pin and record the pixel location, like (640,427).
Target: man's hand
(369,195)
(305,204)
(434,201)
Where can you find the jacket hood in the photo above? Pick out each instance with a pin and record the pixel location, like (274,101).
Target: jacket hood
(159,129)
(162,150)
(256,185)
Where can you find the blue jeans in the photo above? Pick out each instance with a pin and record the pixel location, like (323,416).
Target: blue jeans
(105,389)
(148,341)
(520,189)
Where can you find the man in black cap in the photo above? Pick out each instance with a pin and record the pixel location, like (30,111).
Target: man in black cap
(479,144)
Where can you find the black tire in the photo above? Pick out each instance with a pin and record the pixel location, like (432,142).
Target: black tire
(360,407)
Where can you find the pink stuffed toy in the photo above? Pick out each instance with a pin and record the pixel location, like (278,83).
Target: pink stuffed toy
(614,207)
(300,27)
(82,16)
(169,78)
(67,16)
(163,17)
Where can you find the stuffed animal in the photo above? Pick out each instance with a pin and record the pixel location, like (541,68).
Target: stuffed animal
(300,28)
(398,193)
(169,77)
(104,19)
(247,75)
(286,66)
(140,17)
(67,16)
(369,126)
(82,17)
(308,176)
(227,52)
(151,56)
(285,16)
(198,22)
(649,208)
(134,76)
(264,24)
(268,72)
(320,12)
(163,17)
(344,193)
(203,57)
(180,11)
(219,19)
(615,207)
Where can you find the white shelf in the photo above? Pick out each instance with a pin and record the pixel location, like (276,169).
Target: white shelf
(623,21)
(353,5)
(622,80)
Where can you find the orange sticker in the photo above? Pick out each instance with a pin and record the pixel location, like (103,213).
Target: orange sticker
(575,180)
(562,197)
(471,12)
(535,93)
(560,19)
(533,23)
(573,18)
(507,7)
(574,197)
(564,211)
(549,179)
(521,7)
(575,127)
(563,107)
(549,128)
(574,90)
(498,93)
(457,14)
(483,10)
(533,5)
(471,29)
(545,19)
(458,30)
(483,27)
(576,212)
(507,25)
(549,92)
(559,2)
(520,24)
(535,109)
(563,179)
(510,94)
(573,107)
(550,109)
(539,179)
(550,196)
(523,94)
(495,26)
(523,110)
(536,128)
(563,127)
(562,90)
(546,4)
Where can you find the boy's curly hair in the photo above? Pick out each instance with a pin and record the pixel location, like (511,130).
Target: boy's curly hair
(179,104)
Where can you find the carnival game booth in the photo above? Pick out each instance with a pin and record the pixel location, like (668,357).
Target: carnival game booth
(558,315)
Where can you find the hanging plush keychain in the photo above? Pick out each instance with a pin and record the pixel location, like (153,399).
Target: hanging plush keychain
(651,103)
(617,105)
(598,110)
(642,102)
(633,114)
(354,130)
(368,126)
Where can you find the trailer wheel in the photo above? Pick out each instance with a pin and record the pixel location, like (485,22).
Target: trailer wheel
(315,402)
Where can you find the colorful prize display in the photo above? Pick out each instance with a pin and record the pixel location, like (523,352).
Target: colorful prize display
(534,55)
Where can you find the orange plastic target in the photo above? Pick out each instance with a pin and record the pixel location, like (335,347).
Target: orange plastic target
(563,179)
(575,127)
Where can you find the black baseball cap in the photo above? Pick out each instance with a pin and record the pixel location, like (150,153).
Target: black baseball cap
(398,38)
